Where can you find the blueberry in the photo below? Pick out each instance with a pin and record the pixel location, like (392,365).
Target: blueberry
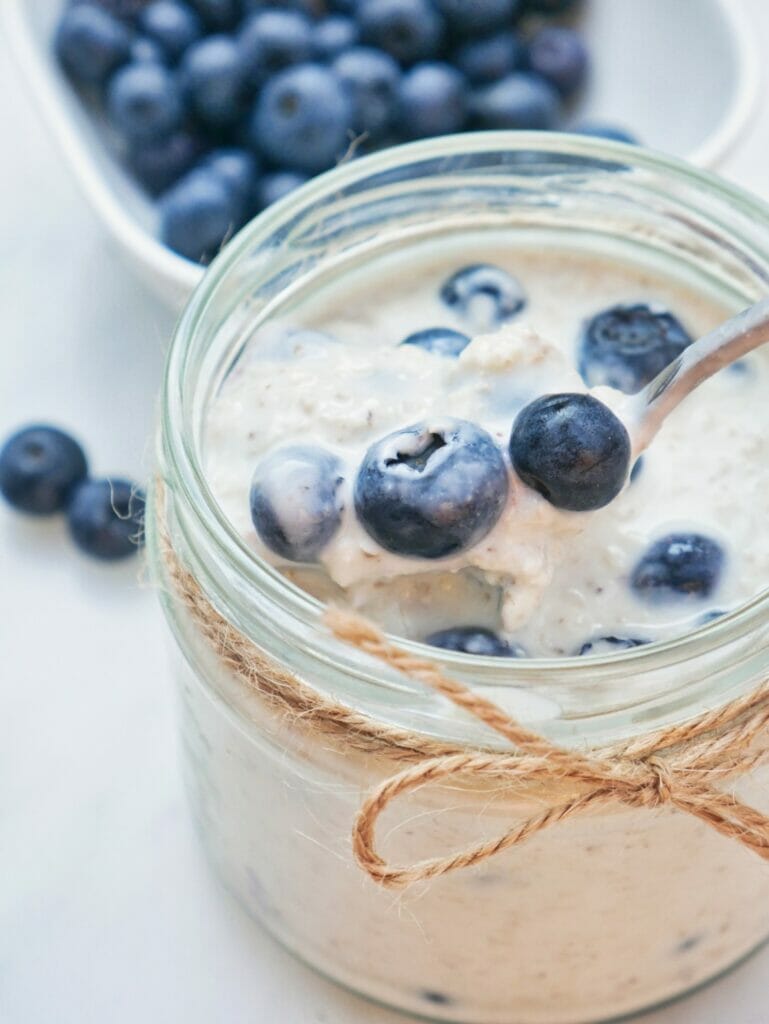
(39,468)
(161,162)
(409,30)
(432,101)
(144,102)
(91,44)
(438,998)
(145,50)
(572,450)
(625,347)
(483,293)
(517,101)
(711,616)
(550,7)
(333,36)
(197,216)
(218,15)
(604,130)
(610,644)
(441,341)
(172,25)
(431,489)
(274,186)
(474,640)
(302,118)
(296,501)
(238,170)
(638,468)
(212,77)
(370,78)
(311,8)
(490,58)
(687,565)
(125,10)
(271,40)
(559,55)
(478,17)
(106,518)
(688,944)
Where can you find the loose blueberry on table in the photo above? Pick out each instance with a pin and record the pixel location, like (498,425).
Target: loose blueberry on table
(306,83)
(44,471)
(40,467)
(106,518)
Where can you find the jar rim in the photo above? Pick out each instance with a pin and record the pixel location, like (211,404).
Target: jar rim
(181,459)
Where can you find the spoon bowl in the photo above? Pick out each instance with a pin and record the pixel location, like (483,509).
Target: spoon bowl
(645,412)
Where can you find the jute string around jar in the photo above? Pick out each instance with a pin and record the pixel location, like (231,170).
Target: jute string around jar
(679,766)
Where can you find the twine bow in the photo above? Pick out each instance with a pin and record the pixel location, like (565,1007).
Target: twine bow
(675,767)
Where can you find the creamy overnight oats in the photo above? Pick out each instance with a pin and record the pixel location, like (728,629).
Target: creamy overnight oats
(381,344)
(361,445)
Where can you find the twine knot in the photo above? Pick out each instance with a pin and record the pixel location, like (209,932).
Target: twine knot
(661,782)
(673,768)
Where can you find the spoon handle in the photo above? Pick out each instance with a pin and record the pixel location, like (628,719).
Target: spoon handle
(729,342)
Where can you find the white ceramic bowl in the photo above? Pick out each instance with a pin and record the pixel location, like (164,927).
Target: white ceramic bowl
(683,75)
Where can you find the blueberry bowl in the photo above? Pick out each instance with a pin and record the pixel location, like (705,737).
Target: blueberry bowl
(638,52)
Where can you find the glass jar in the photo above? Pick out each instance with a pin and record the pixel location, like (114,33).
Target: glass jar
(600,916)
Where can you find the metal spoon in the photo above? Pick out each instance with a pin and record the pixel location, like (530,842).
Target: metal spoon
(577,455)
(645,412)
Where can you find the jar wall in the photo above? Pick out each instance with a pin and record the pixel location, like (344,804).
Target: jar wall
(598,917)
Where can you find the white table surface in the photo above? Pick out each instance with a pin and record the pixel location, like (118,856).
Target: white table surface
(107,909)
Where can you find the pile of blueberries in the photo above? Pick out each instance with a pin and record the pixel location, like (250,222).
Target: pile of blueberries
(436,488)
(44,471)
(221,107)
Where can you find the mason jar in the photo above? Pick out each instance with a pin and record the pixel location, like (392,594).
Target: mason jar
(286,728)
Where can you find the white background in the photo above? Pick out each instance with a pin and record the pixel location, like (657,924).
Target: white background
(107,910)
